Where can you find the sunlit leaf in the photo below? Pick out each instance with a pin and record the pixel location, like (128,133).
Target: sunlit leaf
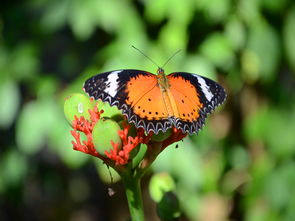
(156,10)
(9,100)
(235,32)
(35,121)
(215,10)
(264,43)
(249,10)
(30,131)
(173,36)
(184,155)
(217,48)
(200,65)
(84,16)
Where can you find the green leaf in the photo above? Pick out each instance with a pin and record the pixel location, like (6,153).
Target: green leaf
(85,15)
(187,159)
(72,158)
(55,15)
(200,65)
(217,48)
(13,169)
(160,184)
(264,43)
(279,186)
(107,174)
(30,131)
(24,62)
(173,36)
(289,36)
(273,127)
(156,10)
(274,6)
(215,10)
(239,157)
(10,101)
(34,123)
(249,10)
(168,208)
(235,32)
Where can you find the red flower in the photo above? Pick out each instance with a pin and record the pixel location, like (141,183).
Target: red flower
(121,156)
(83,125)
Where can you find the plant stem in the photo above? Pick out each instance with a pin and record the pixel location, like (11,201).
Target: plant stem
(133,193)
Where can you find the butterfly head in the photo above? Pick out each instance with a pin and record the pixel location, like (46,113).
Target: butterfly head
(160,71)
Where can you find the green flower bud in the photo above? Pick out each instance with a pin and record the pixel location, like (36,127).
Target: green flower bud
(160,184)
(77,104)
(105,131)
(168,208)
(162,136)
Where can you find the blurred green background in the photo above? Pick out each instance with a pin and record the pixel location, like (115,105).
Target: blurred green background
(241,165)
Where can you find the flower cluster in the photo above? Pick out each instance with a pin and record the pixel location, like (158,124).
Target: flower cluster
(121,156)
(83,125)
(120,152)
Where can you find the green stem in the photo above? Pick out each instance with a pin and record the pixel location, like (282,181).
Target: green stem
(133,193)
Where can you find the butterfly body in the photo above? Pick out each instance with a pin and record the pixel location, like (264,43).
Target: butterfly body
(158,102)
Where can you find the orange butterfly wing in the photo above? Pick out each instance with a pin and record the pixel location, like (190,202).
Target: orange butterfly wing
(195,97)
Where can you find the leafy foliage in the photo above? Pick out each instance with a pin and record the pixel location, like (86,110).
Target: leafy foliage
(240,166)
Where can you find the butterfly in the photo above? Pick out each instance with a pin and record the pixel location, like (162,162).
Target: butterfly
(158,102)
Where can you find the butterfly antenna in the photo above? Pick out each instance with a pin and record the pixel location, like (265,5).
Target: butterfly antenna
(145,56)
(171,57)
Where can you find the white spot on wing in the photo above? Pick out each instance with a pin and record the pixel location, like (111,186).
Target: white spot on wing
(113,83)
(205,88)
